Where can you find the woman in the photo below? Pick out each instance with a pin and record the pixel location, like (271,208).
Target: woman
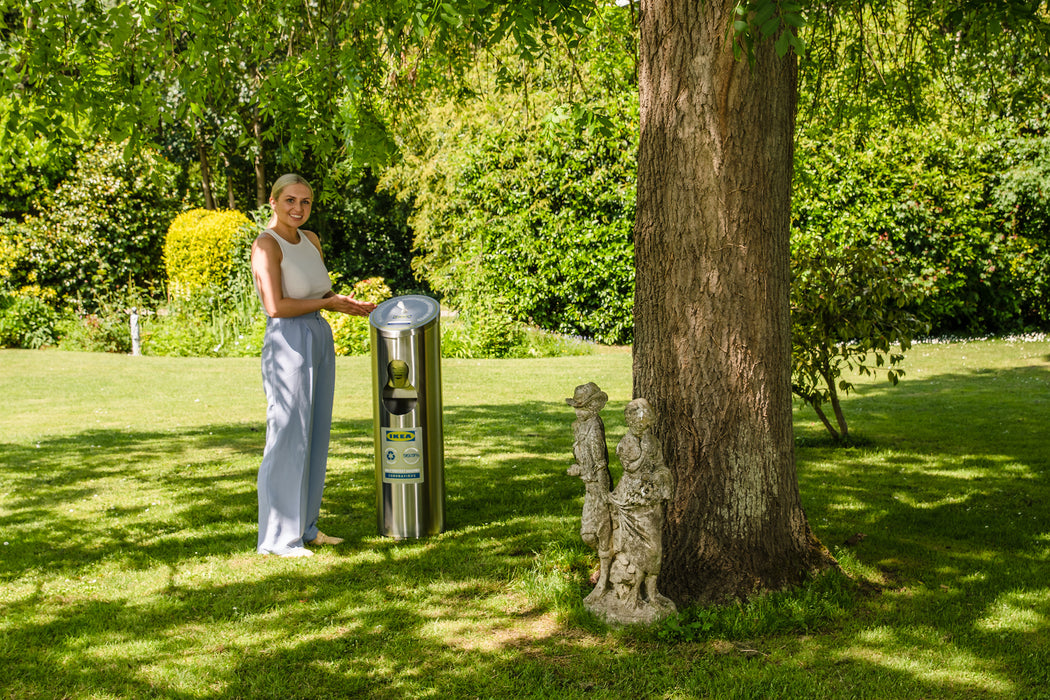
(298,370)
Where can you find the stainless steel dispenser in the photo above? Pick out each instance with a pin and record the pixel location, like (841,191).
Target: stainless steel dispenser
(406,407)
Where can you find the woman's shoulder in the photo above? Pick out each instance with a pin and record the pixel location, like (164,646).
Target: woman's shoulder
(313,238)
(266,243)
(265,238)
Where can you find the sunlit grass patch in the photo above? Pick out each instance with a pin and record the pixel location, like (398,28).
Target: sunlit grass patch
(1019,612)
(928,656)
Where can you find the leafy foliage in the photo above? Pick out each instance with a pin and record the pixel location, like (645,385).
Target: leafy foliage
(200,249)
(487,330)
(762,20)
(518,135)
(365,233)
(925,191)
(239,85)
(107,329)
(538,217)
(26,321)
(203,328)
(213,309)
(1020,196)
(99,233)
(33,166)
(849,315)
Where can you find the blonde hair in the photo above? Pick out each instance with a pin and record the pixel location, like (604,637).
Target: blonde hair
(284,181)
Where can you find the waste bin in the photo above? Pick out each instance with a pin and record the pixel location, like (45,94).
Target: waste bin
(406,407)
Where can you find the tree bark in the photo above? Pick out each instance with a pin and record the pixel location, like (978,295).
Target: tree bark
(262,195)
(231,191)
(231,194)
(712,344)
(202,155)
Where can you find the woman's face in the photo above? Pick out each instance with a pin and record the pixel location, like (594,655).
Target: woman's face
(292,206)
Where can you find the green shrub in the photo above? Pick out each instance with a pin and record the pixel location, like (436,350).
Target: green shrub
(486,331)
(365,233)
(100,231)
(536,215)
(26,320)
(925,190)
(493,330)
(213,309)
(1020,196)
(201,327)
(849,313)
(556,227)
(201,249)
(11,253)
(219,321)
(106,329)
(96,332)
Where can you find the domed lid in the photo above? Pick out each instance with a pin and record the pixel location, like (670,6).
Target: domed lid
(405,313)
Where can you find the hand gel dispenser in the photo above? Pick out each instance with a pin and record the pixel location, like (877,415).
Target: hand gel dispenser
(406,407)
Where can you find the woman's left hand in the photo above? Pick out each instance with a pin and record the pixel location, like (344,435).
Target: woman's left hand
(349,305)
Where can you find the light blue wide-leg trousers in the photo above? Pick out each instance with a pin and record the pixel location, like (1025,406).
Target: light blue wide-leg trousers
(298,370)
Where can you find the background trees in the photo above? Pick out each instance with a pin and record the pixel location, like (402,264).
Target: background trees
(907,132)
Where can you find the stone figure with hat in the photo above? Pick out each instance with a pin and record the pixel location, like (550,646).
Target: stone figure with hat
(592,466)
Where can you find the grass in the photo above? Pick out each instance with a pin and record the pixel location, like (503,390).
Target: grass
(127,529)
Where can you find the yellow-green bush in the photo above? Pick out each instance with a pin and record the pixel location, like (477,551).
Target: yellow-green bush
(200,249)
(351,332)
(9,255)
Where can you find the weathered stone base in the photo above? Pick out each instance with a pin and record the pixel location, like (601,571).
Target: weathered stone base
(628,612)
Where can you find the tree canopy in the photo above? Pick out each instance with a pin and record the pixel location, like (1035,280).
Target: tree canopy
(250,80)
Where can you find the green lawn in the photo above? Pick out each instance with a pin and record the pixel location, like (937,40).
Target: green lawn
(127,531)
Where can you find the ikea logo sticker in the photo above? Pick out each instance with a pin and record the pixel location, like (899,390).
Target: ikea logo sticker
(396,436)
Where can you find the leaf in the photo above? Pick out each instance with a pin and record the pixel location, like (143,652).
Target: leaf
(770,26)
(763,14)
(783,44)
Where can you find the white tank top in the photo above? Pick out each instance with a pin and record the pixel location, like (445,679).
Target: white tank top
(303,274)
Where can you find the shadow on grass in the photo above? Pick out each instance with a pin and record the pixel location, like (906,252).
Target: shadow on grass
(99,506)
(954,512)
(95,495)
(952,492)
(501,462)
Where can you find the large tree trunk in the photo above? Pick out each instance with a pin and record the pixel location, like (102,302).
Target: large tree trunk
(712,344)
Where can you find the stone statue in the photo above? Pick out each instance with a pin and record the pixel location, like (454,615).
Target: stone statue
(592,466)
(626,591)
